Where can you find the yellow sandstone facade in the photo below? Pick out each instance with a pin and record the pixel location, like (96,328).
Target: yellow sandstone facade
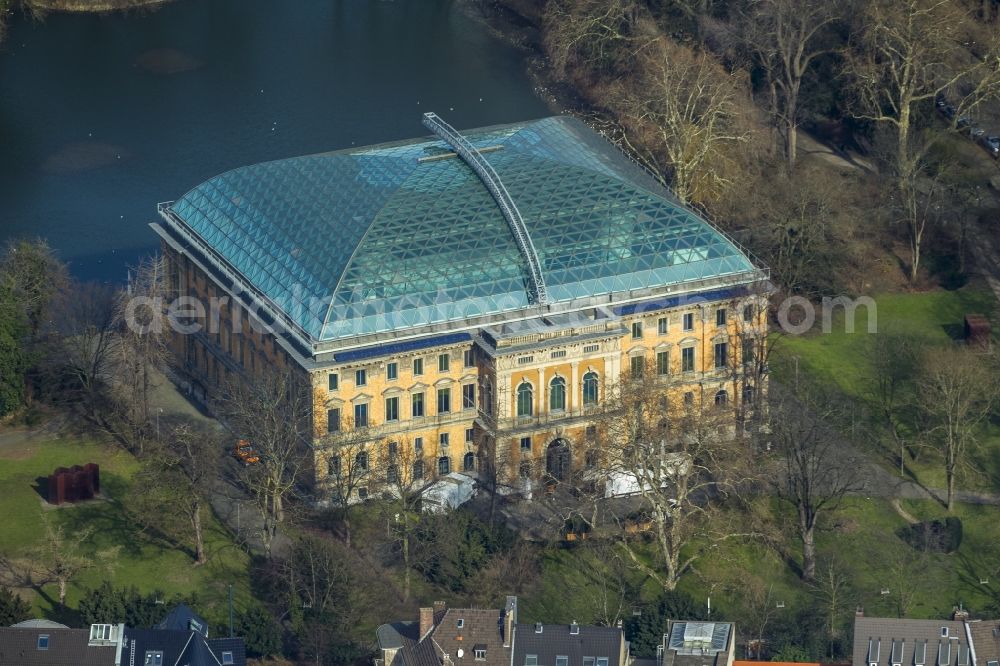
(463,303)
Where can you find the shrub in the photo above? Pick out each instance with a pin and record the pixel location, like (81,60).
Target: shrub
(933,536)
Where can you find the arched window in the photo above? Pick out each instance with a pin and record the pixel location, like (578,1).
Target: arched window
(444,465)
(469,462)
(525,399)
(590,388)
(557,394)
(418,470)
(721,398)
(361,461)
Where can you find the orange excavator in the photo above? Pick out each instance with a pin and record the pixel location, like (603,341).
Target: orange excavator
(244,452)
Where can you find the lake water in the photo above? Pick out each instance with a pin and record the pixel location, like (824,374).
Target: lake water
(103,116)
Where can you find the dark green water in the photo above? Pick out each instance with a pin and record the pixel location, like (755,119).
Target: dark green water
(103,116)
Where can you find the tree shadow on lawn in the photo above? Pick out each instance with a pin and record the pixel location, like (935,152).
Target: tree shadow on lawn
(113,522)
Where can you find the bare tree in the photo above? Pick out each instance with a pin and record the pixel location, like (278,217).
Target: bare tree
(61,561)
(815,470)
(681,461)
(140,348)
(832,589)
(892,356)
(401,469)
(589,35)
(272,410)
(904,55)
(957,390)
(351,463)
(787,36)
(682,116)
(182,469)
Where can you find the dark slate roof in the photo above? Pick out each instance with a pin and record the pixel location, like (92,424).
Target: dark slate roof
(558,640)
(67,647)
(478,626)
(985,641)
(888,641)
(182,618)
(403,636)
(181,647)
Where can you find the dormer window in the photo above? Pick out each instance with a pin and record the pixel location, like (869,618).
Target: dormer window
(531,660)
(43,641)
(460,623)
(562,660)
(480,654)
(154,659)
(538,627)
(574,629)
(944,632)
(227,658)
(100,632)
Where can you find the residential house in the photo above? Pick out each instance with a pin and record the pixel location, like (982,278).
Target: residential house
(903,642)
(698,644)
(984,638)
(569,645)
(182,639)
(492,637)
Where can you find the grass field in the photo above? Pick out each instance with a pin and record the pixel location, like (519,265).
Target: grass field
(841,359)
(147,563)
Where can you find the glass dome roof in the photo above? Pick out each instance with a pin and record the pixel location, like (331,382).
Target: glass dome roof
(401,235)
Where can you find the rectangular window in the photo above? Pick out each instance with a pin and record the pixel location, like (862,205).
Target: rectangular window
(636,365)
(532,660)
(392,371)
(689,321)
(588,661)
(687,359)
(469,357)
(444,400)
(590,349)
(468,396)
(480,654)
(392,409)
(361,415)
(526,443)
(562,660)
(721,354)
(561,353)
(749,354)
(418,444)
(470,434)
(227,658)
(662,363)
(332,420)
(525,360)
(443,440)
(443,361)
(602,661)
(417,405)
(418,366)
(688,398)
(43,642)
(720,317)
(636,330)
(393,449)
(333,381)
(661,325)
(747,313)
(360,377)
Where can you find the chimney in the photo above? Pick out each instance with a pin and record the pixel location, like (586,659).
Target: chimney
(859,611)
(509,619)
(426,621)
(959,614)
(439,607)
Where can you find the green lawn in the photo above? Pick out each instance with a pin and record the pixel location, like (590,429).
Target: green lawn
(840,359)
(148,563)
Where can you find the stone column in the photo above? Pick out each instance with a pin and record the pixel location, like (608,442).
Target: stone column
(542,392)
(574,397)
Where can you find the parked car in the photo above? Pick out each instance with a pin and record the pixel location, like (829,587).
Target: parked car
(976,133)
(244,452)
(991,144)
(964,121)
